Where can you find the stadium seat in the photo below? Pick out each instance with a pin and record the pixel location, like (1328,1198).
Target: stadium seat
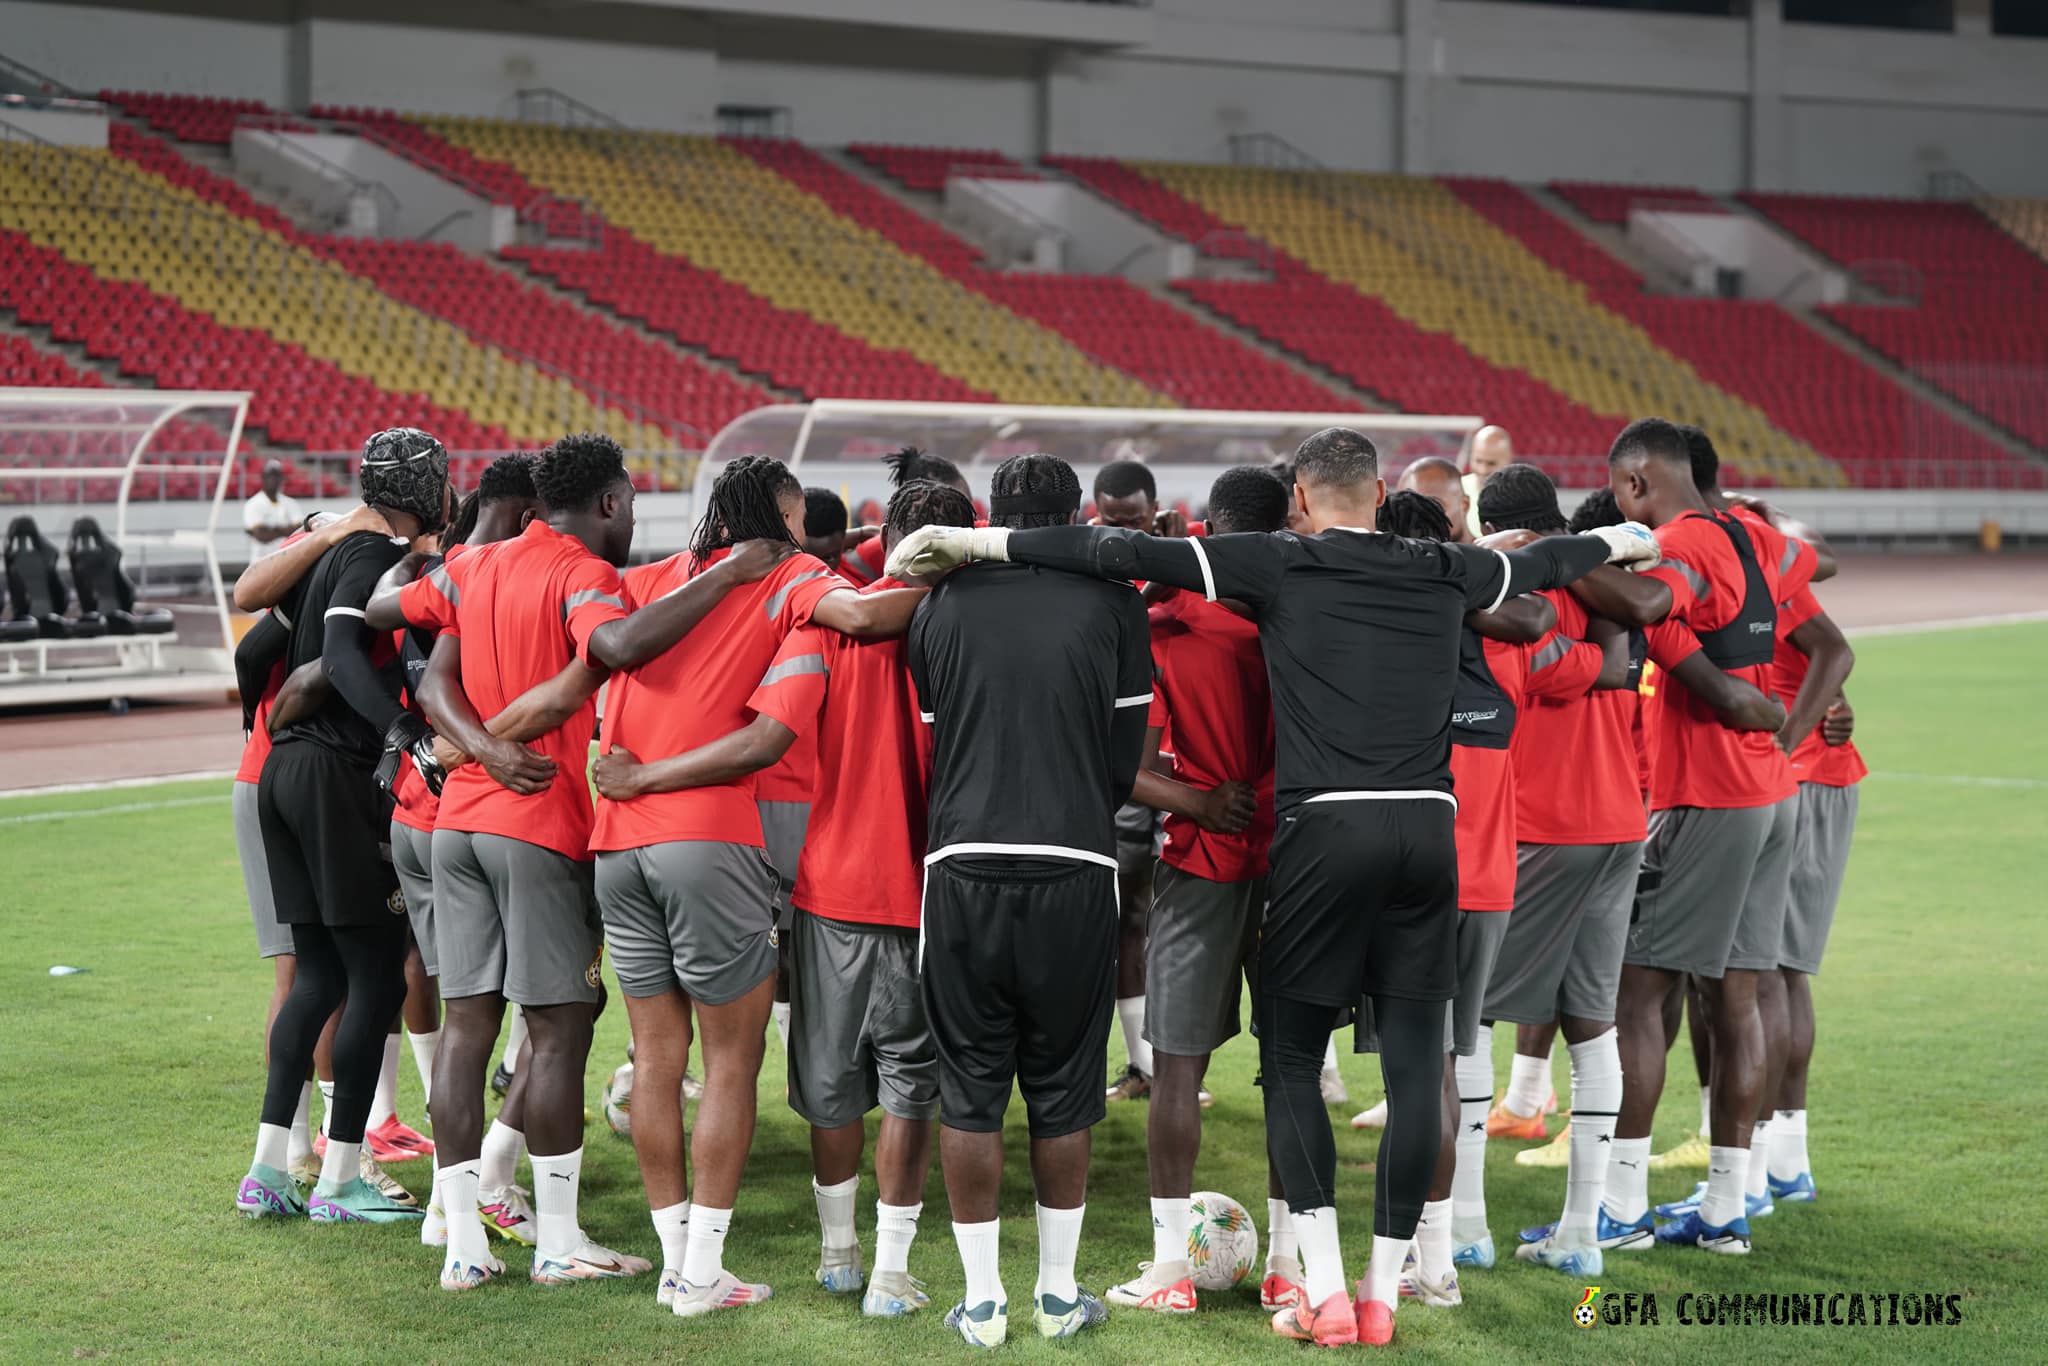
(35,587)
(106,592)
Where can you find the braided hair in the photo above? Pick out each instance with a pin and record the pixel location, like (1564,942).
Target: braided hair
(745,505)
(1410,514)
(909,463)
(1044,475)
(927,502)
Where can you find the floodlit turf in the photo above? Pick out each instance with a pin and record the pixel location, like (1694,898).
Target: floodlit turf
(128,1102)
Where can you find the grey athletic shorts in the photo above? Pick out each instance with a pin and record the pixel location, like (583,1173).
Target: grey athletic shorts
(1480,935)
(782,831)
(857,1031)
(690,915)
(272,939)
(514,919)
(1820,856)
(1202,936)
(412,855)
(1711,893)
(1140,835)
(1562,955)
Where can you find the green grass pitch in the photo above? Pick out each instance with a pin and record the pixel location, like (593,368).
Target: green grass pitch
(128,1100)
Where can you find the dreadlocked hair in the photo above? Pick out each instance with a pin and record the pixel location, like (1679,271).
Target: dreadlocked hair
(1598,509)
(910,463)
(464,524)
(745,505)
(509,476)
(1410,514)
(1042,474)
(926,502)
(577,469)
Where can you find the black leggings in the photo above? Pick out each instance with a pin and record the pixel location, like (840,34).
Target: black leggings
(1292,1036)
(364,964)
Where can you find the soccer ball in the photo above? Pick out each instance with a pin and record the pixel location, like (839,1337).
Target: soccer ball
(1584,1315)
(1223,1243)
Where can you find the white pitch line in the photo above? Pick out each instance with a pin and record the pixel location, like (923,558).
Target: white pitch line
(124,809)
(1962,780)
(111,784)
(1907,628)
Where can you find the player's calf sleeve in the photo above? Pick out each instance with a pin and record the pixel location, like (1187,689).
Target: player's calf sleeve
(1304,1153)
(1596,1104)
(1059,1243)
(835,1212)
(1788,1145)
(1468,1183)
(895,1231)
(1528,1084)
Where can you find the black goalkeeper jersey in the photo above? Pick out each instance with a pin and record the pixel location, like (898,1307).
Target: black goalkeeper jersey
(326,613)
(1036,684)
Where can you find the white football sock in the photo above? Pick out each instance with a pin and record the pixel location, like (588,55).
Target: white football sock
(1059,1242)
(1280,1239)
(498,1164)
(384,1100)
(1468,1181)
(273,1146)
(326,1104)
(515,1038)
(1757,1181)
(980,1253)
(1322,1256)
(466,1242)
(835,1213)
(1130,1014)
(1433,1242)
(780,1011)
(1627,1197)
(434,1228)
(895,1231)
(1170,1218)
(1788,1145)
(555,1183)
(1706,1112)
(301,1130)
(342,1164)
(704,1256)
(423,1046)
(1727,1172)
(1383,1272)
(672,1226)
(1528,1085)
(1330,1056)
(1596,1105)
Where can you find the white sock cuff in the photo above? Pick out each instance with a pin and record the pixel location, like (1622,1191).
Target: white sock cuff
(887,1210)
(850,1186)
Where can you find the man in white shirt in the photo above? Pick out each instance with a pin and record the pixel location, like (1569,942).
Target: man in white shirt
(271,515)
(1491,450)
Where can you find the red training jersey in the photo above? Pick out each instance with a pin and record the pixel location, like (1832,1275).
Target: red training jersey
(1694,759)
(697,692)
(793,777)
(863,858)
(256,748)
(1814,760)
(524,608)
(1483,777)
(1209,688)
(1578,776)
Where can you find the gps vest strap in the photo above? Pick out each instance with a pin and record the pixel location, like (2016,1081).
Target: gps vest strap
(1752,637)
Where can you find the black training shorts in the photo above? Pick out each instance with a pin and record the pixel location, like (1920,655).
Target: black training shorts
(1019,981)
(1363,900)
(326,837)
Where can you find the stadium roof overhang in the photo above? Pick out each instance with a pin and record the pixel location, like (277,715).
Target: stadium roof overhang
(1064,22)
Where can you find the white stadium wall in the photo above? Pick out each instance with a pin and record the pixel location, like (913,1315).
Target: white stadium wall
(1532,92)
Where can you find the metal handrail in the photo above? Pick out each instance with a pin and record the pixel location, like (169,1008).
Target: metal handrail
(42,82)
(1895,279)
(822,243)
(227,244)
(344,184)
(1030,220)
(1949,183)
